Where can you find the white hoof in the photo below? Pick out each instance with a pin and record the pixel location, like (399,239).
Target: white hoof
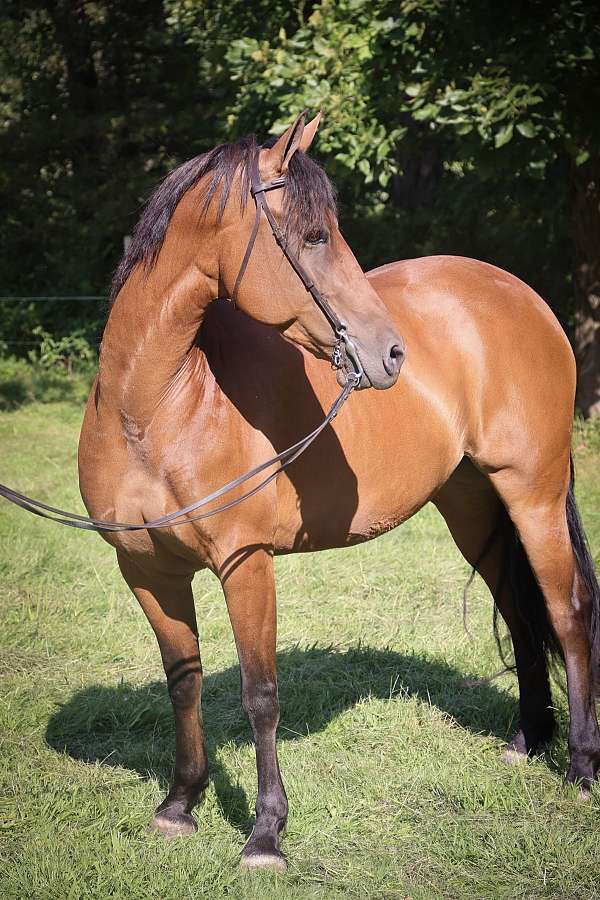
(264,861)
(514,757)
(172,828)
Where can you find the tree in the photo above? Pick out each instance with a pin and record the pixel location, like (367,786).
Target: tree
(99,100)
(453,126)
(493,94)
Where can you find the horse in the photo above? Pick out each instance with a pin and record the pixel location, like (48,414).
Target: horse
(192,390)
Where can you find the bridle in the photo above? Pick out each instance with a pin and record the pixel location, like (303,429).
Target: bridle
(258,190)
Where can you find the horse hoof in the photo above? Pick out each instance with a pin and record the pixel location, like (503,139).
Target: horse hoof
(513,757)
(262,859)
(177,826)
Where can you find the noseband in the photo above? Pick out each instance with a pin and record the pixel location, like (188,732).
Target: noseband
(183,516)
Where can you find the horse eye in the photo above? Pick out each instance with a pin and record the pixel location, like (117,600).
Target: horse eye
(316,237)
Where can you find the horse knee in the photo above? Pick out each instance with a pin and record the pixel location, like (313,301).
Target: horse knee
(184,688)
(260,701)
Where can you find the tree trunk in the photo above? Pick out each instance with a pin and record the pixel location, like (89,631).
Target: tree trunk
(586,228)
(74,33)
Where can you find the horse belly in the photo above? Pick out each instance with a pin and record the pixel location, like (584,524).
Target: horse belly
(365,489)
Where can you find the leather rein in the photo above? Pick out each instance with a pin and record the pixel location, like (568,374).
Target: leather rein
(190,513)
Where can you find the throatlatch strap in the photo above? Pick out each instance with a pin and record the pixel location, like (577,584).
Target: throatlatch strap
(247,254)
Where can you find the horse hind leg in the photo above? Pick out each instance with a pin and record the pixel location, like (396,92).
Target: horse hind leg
(484,534)
(542,511)
(168,603)
(587,586)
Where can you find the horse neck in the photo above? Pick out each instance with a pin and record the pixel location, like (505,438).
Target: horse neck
(149,346)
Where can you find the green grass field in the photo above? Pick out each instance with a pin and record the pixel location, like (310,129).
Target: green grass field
(390,741)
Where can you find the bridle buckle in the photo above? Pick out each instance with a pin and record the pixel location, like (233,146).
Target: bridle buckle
(351,353)
(336,356)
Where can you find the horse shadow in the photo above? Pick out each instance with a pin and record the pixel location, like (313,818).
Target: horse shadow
(132,726)
(265,379)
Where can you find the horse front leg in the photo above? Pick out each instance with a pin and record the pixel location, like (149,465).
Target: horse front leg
(249,589)
(168,603)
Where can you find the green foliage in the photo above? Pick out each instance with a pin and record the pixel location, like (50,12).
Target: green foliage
(326,64)
(586,437)
(496,72)
(450,126)
(22,382)
(98,101)
(56,369)
(69,353)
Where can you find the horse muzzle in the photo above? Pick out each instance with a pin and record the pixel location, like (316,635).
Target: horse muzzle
(352,360)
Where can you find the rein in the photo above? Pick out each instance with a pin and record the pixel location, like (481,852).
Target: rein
(286,457)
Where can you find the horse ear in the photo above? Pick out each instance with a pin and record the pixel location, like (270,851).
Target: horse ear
(308,135)
(277,158)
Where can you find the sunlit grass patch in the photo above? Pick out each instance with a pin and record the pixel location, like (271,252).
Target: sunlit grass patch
(390,734)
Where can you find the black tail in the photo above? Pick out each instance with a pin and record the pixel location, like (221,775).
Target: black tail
(530,600)
(588,574)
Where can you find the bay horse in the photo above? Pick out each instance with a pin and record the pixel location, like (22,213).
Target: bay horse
(192,392)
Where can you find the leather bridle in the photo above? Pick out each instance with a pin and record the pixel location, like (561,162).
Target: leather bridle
(259,189)
(184,515)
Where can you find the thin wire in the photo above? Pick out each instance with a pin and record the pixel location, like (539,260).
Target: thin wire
(29,343)
(43,299)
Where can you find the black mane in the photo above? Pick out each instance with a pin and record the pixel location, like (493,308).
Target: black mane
(309,200)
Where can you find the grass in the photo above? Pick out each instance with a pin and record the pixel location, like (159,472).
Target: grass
(390,742)
(22,382)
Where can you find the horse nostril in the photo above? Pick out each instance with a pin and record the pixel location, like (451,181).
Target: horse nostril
(394,359)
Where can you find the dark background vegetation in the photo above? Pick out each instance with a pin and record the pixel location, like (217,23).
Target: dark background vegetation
(451,126)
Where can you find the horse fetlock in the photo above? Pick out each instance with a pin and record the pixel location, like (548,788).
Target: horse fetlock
(537,732)
(190,784)
(583,769)
(272,813)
